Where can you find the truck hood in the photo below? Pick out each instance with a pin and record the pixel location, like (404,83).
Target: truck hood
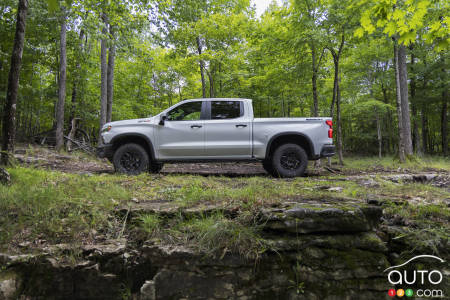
(129,122)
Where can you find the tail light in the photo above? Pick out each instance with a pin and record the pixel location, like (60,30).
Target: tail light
(330,131)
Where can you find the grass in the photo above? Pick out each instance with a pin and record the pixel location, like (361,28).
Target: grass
(217,234)
(56,206)
(415,163)
(70,208)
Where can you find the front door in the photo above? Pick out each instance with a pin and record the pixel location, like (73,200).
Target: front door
(227,131)
(183,135)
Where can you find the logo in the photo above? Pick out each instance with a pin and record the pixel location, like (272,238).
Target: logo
(424,279)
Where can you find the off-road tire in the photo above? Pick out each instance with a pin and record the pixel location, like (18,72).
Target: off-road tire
(289,160)
(131,159)
(155,167)
(267,165)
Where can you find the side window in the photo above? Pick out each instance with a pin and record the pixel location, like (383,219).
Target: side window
(190,111)
(225,110)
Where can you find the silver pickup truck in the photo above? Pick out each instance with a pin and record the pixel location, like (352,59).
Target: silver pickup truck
(216,130)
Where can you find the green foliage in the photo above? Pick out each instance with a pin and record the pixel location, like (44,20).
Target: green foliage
(149,223)
(407,19)
(62,207)
(217,235)
(267,59)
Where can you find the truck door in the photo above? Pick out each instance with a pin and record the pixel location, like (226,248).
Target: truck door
(183,135)
(227,130)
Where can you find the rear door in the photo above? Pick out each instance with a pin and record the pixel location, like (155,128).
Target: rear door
(227,130)
(183,135)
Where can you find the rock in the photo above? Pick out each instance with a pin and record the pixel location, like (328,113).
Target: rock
(5,178)
(148,291)
(335,189)
(369,183)
(9,283)
(318,219)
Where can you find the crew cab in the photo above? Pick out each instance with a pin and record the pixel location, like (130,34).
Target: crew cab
(216,129)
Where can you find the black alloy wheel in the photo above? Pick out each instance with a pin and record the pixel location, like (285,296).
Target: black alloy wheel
(131,159)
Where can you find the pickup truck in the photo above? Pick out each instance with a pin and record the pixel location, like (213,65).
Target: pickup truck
(216,129)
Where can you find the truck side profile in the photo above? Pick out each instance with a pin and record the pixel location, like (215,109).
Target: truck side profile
(216,129)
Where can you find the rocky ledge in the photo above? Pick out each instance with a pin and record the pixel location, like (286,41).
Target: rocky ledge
(315,250)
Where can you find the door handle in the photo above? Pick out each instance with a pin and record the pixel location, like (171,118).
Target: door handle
(196,126)
(241,125)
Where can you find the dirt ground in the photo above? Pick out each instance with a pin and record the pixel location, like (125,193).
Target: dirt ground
(82,163)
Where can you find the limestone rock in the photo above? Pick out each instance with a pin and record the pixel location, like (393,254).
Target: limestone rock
(318,219)
(148,291)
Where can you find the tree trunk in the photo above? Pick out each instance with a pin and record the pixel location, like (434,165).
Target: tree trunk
(202,74)
(314,82)
(9,112)
(103,87)
(76,80)
(339,125)
(424,129)
(336,57)
(110,75)
(444,122)
(416,139)
(379,135)
(406,119)
(73,129)
(401,147)
(62,85)
(211,84)
(335,83)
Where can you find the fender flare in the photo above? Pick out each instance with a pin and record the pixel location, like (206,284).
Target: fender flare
(299,134)
(137,135)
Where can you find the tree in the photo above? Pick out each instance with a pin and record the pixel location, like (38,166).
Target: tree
(104,76)
(403,21)
(61,83)
(9,112)
(110,74)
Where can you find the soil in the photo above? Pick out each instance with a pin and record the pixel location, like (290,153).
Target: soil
(81,163)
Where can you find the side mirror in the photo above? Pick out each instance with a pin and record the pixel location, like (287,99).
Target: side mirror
(162,120)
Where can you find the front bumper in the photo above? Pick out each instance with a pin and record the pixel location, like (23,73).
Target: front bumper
(105,150)
(327,151)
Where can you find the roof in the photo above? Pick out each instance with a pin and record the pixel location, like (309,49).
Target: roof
(217,99)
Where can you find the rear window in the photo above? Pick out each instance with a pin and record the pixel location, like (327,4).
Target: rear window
(226,110)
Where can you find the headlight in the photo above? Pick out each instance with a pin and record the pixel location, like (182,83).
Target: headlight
(106,129)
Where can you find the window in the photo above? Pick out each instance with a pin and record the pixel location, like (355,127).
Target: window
(225,110)
(190,111)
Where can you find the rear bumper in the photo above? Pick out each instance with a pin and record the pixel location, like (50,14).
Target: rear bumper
(327,151)
(105,151)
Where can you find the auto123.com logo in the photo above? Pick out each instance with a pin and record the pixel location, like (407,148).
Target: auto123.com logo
(424,279)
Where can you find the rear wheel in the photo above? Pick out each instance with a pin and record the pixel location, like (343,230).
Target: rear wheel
(289,160)
(131,159)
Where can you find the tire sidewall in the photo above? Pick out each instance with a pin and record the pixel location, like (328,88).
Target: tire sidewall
(136,149)
(155,167)
(278,169)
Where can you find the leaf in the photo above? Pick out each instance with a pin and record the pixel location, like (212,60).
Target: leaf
(53,5)
(398,14)
(366,23)
(435,26)
(391,28)
(359,32)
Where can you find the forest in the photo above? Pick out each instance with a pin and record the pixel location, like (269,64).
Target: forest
(379,68)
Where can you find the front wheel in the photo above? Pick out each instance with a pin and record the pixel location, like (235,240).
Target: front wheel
(131,159)
(289,160)
(155,167)
(267,165)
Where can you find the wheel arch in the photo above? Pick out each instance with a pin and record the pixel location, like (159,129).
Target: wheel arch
(137,138)
(290,137)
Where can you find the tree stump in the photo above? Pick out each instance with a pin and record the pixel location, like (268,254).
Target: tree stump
(5,178)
